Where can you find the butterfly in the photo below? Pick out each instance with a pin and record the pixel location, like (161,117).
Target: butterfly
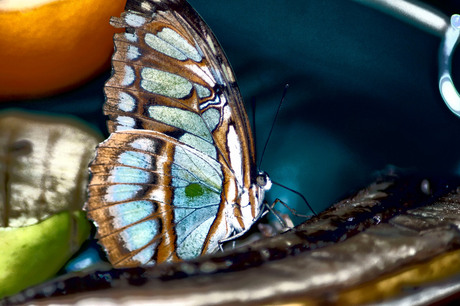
(177,176)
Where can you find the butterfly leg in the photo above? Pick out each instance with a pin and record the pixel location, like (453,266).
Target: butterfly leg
(292,210)
(270,208)
(221,248)
(221,243)
(283,220)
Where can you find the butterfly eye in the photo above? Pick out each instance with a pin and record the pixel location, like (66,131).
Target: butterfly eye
(263,180)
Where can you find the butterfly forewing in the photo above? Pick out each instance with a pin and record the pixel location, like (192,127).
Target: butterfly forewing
(169,58)
(172,84)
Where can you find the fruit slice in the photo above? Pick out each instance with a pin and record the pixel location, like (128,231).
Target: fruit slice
(48,46)
(33,254)
(43,166)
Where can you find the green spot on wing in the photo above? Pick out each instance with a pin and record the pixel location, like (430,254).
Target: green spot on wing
(194,190)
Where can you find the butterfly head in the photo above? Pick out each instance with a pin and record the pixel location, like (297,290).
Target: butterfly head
(263,181)
(261,185)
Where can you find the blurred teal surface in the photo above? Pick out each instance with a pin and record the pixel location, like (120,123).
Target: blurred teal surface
(363,92)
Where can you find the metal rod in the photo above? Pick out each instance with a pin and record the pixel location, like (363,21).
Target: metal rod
(414,12)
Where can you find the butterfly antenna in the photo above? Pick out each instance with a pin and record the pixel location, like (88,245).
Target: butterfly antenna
(273,124)
(299,194)
(253,108)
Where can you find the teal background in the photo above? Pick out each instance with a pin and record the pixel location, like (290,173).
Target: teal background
(363,92)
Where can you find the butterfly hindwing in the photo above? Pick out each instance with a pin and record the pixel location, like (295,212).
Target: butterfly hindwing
(144,182)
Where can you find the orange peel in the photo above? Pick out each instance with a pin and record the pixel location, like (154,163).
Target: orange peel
(50,46)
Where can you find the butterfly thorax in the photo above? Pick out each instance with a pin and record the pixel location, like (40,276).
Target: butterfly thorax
(247,207)
(252,204)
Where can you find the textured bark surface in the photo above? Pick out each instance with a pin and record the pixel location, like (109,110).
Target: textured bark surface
(392,224)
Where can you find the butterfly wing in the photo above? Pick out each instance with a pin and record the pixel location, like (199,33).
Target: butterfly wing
(169,57)
(171,76)
(132,172)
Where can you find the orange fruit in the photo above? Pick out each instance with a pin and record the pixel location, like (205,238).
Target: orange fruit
(49,46)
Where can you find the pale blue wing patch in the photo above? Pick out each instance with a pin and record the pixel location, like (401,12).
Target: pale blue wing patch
(170,43)
(211,117)
(132,37)
(173,38)
(139,235)
(165,83)
(169,84)
(120,193)
(132,53)
(193,229)
(126,103)
(129,175)
(131,212)
(128,77)
(162,46)
(146,255)
(125,122)
(199,144)
(144,144)
(147,6)
(182,119)
(202,91)
(135,159)
(134,20)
